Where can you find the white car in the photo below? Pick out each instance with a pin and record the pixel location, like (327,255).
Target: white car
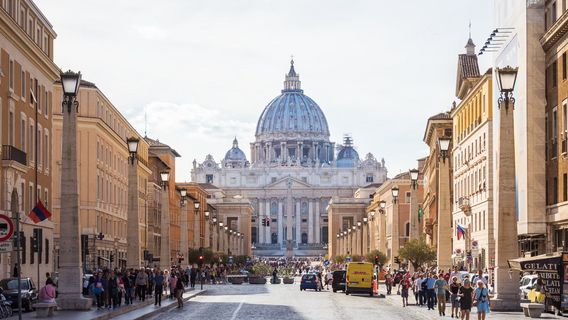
(526,284)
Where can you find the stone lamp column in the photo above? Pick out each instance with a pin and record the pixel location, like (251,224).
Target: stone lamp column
(444,243)
(70,264)
(133,234)
(395,228)
(165,252)
(184,245)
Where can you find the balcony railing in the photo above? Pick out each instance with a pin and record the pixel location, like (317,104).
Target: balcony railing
(14,154)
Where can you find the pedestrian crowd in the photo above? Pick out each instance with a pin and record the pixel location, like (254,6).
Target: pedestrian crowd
(436,289)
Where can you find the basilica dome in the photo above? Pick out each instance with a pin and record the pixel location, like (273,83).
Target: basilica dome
(235,153)
(292,113)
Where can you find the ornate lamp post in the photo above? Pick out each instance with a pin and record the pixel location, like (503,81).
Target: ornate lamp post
(184,245)
(413,203)
(506,238)
(221,237)
(70,264)
(133,235)
(395,241)
(366,242)
(165,253)
(196,224)
(444,230)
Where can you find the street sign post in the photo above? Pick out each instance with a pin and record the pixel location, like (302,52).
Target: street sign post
(6,228)
(6,246)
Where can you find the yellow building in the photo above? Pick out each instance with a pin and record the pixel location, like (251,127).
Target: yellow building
(472,203)
(103,177)
(26,64)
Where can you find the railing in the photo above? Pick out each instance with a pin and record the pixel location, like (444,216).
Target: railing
(14,154)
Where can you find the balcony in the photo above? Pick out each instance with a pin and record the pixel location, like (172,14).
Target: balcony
(15,158)
(464,205)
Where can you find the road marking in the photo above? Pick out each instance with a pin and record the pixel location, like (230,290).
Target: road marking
(237,310)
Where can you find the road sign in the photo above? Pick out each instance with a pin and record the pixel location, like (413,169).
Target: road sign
(6,227)
(474,244)
(6,246)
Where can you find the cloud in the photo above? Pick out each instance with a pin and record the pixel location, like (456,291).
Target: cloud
(192,130)
(150,32)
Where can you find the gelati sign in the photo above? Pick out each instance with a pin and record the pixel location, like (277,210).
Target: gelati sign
(551,271)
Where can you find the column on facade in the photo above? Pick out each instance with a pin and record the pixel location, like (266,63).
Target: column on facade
(283,151)
(280,223)
(365,237)
(315,151)
(267,230)
(289,213)
(268,155)
(311,221)
(317,221)
(298,221)
(261,217)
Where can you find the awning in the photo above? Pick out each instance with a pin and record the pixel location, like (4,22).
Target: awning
(536,263)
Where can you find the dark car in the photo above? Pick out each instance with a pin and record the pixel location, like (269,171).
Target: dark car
(338,282)
(309,281)
(9,288)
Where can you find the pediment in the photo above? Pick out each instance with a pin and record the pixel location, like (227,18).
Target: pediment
(284,182)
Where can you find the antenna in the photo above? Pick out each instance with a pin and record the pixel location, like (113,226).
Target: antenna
(145,122)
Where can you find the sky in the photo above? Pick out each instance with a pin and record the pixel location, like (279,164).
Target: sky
(201,72)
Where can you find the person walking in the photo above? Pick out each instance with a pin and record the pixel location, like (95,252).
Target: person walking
(465,294)
(403,287)
(127,282)
(431,291)
(454,289)
(112,291)
(98,290)
(441,285)
(418,290)
(173,283)
(388,282)
(481,295)
(192,276)
(141,284)
(179,293)
(158,287)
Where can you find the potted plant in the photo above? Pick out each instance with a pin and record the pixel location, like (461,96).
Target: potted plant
(259,271)
(286,274)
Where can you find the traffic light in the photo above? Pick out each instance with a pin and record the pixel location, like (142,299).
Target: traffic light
(267,221)
(264,222)
(35,242)
(111,257)
(377,260)
(200,260)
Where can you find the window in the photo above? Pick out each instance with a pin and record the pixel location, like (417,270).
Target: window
(23,81)
(11,74)
(407,229)
(209,178)
(565,187)
(554,74)
(554,132)
(23,135)
(369,178)
(39,145)
(46,251)
(31,144)
(407,197)
(564,66)
(46,150)
(11,128)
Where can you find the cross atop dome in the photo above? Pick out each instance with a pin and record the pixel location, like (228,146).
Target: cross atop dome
(292,80)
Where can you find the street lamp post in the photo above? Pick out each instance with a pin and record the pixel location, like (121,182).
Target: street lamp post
(133,234)
(444,229)
(365,235)
(70,264)
(413,203)
(206,235)
(506,237)
(196,226)
(221,237)
(165,253)
(395,234)
(215,236)
(359,238)
(382,228)
(184,248)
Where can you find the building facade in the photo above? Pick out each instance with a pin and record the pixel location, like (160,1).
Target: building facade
(102,155)
(555,44)
(293,173)
(472,205)
(522,25)
(26,90)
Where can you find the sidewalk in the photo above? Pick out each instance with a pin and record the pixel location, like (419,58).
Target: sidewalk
(396,300)
(138,310)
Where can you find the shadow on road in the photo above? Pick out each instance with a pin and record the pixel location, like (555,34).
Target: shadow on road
(231,289)
(236,311)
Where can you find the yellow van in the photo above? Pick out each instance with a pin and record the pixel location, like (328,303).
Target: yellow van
(359,278)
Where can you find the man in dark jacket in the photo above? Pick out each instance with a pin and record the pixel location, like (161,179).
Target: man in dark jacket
(193,276)
(127,281)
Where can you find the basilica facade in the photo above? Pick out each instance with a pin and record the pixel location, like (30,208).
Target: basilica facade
(293,172)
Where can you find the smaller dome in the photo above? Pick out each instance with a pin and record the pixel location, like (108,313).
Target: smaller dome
(235,153)
(347,156)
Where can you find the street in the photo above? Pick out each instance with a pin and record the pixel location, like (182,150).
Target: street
(286,302)
(233,302)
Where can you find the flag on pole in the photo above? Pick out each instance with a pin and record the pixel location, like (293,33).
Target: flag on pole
(39,213)
(460,231)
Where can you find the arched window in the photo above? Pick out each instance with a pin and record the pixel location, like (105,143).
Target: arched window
(304,238)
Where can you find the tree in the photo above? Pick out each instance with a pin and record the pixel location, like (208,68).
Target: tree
(339,258)
(370,257)
(417,252)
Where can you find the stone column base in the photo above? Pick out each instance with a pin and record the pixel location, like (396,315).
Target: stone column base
(74,302)
(505,303)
